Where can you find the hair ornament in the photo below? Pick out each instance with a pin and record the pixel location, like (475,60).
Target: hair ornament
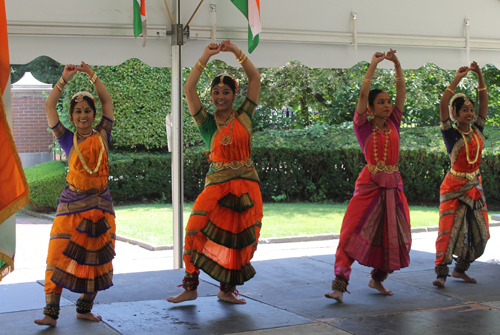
(222,80)
(78,97)
(452,109)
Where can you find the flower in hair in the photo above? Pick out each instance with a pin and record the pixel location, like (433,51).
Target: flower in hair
(78,97)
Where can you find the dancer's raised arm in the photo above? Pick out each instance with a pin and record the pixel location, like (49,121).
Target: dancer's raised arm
(450,90)
(400,80)
(51,102)
(251,71)
(102,91)
(367,82)
(482,94)
(192,97)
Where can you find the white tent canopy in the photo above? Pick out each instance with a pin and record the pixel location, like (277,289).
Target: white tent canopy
(319,33)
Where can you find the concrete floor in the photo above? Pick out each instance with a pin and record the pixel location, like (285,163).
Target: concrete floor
(285,297)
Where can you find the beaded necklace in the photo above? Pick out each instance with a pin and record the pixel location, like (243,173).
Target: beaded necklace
(80,156)
(226,139)
(467,145)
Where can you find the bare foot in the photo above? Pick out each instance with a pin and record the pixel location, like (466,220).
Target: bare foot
(46,321)
(337,295)
(230,298)
(89,316)
(464,276)
(439,282)
(379,287)
(184,296)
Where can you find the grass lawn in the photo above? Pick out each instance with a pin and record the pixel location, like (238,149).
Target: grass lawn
(152,223)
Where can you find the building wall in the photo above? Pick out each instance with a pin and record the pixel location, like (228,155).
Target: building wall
(30,128)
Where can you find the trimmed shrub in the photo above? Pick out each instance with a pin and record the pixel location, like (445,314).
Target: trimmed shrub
(46,182)
(318,163)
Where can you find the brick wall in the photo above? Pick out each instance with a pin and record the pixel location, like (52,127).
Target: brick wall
(30,122)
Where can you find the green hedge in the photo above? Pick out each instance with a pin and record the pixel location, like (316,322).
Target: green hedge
(315,164)
(46,182)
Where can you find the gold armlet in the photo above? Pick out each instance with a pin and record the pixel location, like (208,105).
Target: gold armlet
(59,87)
(367,80)
(93,79)
(201,65)
(482,89)
(400,78)
(451,91)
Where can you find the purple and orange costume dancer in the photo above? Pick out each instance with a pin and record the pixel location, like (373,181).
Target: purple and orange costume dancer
(463,214)
(376,227)
(82,239)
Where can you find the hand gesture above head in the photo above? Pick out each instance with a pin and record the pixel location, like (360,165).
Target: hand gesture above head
(227,46)
(462,72)
(212,49)
(69,71)
(391,56)
(475,68)
(378,57)
(85,68)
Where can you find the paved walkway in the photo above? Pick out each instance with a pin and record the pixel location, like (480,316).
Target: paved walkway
(285,297)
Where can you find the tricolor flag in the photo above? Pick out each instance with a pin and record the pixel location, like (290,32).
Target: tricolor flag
(14,191)
(140,26)
(251,10)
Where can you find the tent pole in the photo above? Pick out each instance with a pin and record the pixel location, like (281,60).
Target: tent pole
(177,152)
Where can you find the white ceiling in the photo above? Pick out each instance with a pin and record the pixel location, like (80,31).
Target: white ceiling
(319,33)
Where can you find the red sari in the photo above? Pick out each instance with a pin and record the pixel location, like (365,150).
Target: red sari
(463,216)
(376,227)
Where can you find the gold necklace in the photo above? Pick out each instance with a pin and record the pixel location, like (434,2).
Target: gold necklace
(467,145)
(387,131)
(79,153)
(226,139)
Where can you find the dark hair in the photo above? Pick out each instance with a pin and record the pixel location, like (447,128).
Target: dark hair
(373,94)
(458,103)
(89,101)
(228,80)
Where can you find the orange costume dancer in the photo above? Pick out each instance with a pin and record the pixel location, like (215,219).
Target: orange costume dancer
(223,230)
(463,216)
(376,227)
(82,238)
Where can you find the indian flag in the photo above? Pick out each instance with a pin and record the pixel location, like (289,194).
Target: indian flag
(251,10)
(140,26)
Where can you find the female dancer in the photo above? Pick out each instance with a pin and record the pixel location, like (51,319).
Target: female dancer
(376,226)
(224,227)
(82,238)
(463,217)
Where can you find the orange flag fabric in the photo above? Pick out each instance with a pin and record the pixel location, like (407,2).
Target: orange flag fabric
(14,190)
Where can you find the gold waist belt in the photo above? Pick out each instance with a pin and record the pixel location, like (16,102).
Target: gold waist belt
(468,175)
(89,191)
(233,165)
(382,167)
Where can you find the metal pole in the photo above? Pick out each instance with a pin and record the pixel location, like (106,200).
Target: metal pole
(177,152)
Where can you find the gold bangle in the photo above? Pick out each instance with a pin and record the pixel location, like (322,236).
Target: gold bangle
(482,89)
(202,66)
(400,78)
(367,80)
(93,79)
(240,56)
(62,81)
(59,87)
(449,89)
(243,60)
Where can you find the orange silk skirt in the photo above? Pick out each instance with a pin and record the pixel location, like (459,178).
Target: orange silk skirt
(223,231)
